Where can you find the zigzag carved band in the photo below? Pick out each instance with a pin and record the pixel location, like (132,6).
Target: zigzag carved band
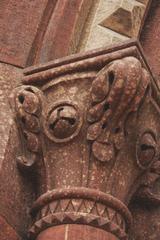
(81,206)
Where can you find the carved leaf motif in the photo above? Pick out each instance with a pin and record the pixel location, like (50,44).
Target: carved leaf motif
(29,122)
(94,131)
(32,141)
(27,106)
(100,87)
(103,152)
(112,102)
(96,112)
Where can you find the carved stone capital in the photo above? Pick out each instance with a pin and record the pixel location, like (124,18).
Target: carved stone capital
(89,124)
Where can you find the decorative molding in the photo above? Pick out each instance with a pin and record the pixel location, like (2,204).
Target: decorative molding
(81,206)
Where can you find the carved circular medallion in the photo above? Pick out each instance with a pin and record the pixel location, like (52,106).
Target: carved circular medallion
(146,150)
(27,99)
(63,122)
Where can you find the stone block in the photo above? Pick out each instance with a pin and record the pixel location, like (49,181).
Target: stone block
(125,19)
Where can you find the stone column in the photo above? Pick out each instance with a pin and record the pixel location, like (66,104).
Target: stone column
(78,232)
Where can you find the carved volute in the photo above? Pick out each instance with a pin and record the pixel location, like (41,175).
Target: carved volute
(89,126)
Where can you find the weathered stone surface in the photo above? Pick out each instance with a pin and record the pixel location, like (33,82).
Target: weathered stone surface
(86,120)
(20,21)
(37,37)
(65,140)
(150,38)
(15,197)
(64,30)
(7,232)
(146,223)
(9,78)
(78,232)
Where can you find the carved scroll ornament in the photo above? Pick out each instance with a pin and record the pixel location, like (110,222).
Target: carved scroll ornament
(27,105)
(87,116)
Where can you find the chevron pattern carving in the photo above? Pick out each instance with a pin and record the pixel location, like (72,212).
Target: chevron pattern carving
(79,211)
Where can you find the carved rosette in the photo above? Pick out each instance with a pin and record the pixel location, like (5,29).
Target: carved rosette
(63,122)
(86,116)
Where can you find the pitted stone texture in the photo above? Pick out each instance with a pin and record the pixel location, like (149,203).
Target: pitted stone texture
(6,231)
(78,232)
(19,23)
(15,194)
(146,224)
(9,77)
(150,39)
(63,33)
(126,118)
